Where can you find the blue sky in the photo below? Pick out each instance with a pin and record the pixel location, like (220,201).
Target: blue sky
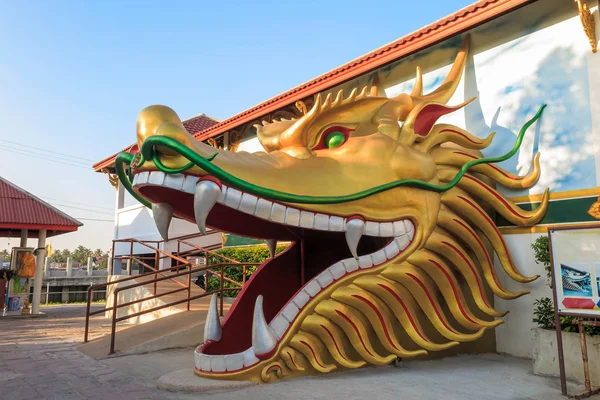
(74,76)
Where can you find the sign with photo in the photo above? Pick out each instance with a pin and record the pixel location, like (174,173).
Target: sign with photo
(576,269)
(23,265)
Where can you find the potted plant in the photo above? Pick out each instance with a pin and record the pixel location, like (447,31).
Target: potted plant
(545,350)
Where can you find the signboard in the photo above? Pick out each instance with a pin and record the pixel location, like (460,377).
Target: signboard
(576,267)
(21,260)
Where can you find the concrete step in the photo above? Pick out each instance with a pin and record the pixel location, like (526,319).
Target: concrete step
(183,329)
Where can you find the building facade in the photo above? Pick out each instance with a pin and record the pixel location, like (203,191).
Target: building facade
(523,54)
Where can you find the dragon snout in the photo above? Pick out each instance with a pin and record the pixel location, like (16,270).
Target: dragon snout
(160,120)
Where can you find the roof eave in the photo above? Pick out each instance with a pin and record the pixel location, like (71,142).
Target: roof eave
(75,223)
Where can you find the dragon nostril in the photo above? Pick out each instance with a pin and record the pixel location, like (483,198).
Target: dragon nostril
(174,131)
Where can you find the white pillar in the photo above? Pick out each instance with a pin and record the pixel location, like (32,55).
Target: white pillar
(118,266)
(39,272)
(129,266)
(24,237)
(119,204)
(69,266)
(47,266)
(90,266)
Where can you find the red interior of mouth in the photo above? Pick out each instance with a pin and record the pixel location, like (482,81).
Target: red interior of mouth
(277,279)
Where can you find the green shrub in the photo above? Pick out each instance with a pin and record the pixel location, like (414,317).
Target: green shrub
(544,317)
(544,313)
(541,251)
(544,307)
(249,254)
(569,324)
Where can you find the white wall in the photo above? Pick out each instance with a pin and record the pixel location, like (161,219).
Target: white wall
(251,145)
(514,336)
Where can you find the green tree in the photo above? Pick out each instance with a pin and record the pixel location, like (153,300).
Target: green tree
(81,254)
(5,255)
(58,256)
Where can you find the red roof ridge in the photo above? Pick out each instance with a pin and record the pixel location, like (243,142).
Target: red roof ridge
(442,29)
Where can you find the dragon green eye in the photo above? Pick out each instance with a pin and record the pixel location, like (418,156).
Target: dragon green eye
(335,139)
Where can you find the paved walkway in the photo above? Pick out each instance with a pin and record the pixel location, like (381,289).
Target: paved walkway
(38,360)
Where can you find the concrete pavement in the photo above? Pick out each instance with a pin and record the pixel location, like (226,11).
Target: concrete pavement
(38,360)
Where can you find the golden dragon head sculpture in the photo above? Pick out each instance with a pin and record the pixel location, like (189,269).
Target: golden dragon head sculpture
(387,214)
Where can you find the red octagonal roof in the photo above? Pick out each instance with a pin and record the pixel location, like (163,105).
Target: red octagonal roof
(20,209)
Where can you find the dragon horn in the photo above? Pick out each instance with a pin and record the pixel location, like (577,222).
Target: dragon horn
(443,93)
(418,89)
(375,86)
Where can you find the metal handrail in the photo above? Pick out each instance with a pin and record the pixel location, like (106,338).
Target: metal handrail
(190,270)
(105,285)
(156,250)
(198,248)
(226,279)
(165,274)
(163,255)
(182,237)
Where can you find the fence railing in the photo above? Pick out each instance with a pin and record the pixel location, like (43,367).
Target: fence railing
(157,257)
(47,293)
(182,271)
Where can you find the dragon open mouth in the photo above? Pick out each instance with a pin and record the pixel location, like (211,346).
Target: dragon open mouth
(324,249)
(383,208)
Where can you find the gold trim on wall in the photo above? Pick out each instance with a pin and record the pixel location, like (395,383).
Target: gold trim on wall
(522,230)
(544,228)
(567,194)
(588,23)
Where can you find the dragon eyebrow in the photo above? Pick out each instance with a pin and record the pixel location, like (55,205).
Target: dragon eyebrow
(149,153)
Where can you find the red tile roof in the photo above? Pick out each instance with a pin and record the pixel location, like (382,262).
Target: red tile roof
(460,21)
(199,123)
(20,209)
